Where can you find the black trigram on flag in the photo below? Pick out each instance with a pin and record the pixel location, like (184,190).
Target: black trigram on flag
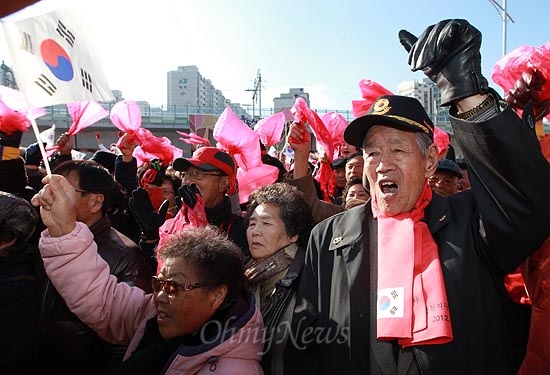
(45,84)
(394,294)
(26,43)
(65,33)
(86,80)
(393,310)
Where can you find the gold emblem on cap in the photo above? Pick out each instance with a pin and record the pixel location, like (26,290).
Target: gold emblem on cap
(381,107)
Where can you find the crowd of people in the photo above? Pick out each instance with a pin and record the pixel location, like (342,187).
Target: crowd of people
(112,267)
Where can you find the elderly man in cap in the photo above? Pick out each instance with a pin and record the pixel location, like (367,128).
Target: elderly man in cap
(214,173)
(445,179)
(410,283)
(338,167)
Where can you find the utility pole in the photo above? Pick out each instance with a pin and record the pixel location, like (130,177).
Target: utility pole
(505,17)
(257,94)
(253,102)
(259,88)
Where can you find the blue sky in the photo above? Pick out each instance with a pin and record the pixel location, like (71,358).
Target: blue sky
(324,46)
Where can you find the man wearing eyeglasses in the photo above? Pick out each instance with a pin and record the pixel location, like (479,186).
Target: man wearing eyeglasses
(214,173)
(65,341)
(445,179)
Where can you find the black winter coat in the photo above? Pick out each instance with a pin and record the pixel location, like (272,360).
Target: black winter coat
(337,295)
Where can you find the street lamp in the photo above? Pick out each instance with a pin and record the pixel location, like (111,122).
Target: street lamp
(504,15)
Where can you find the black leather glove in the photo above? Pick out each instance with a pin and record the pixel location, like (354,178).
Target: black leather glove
(448,53)
(146,217)
(528,88)
(189,194)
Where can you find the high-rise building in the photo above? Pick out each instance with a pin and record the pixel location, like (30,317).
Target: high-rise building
(287,100)
(429,96)
(190,91)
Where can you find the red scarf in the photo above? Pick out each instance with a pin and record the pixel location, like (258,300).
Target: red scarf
(412,303)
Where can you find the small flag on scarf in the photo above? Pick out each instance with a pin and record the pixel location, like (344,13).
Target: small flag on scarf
(390,303)
(53,62)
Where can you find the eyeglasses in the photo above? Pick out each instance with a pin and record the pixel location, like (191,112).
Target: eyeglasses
(197,174)
(433,180)
(171,288)
(83,192)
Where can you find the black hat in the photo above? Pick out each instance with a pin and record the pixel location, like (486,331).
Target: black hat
(17,216)
(447,165)
(401,112)
(33,155)
(462,163)
(338,163)
(105,158)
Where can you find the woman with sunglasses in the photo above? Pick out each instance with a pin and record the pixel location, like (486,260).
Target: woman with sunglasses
(200,317)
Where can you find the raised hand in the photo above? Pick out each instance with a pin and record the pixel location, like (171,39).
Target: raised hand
(528,88)
(65,143)
(126,146)
(448,53)
(298,138)
(188,194)
(300,141)
(57,201)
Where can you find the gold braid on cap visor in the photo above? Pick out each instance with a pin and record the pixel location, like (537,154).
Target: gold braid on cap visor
(424,128)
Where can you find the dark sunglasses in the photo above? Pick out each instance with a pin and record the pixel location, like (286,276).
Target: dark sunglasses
(171,288)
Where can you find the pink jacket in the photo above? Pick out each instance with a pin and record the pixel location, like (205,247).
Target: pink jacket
(118,312)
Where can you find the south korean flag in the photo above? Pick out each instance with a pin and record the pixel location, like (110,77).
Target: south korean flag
(390,303)
(54,61)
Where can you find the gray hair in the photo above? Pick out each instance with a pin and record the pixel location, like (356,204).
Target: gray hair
(424,142)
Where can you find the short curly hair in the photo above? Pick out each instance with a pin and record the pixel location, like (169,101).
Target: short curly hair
(293,208)
(215,257)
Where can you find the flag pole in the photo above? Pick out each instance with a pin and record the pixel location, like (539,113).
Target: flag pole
(41,146)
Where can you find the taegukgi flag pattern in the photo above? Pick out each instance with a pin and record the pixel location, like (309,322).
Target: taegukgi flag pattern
(53,62)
